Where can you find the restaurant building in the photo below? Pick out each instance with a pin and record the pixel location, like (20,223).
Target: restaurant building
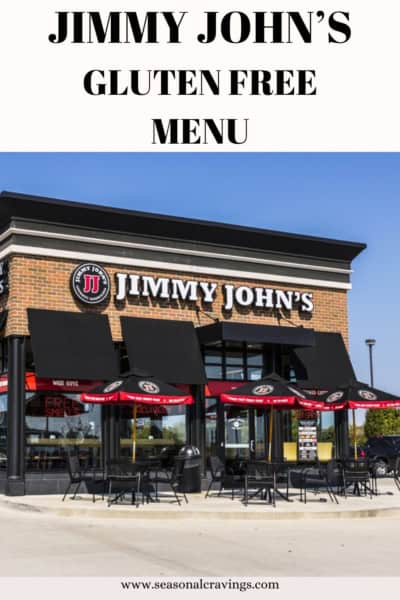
(88,292)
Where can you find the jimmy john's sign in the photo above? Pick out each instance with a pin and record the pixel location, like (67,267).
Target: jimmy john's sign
(89,284)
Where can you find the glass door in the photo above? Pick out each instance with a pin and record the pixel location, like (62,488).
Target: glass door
(239,434)
(244,433)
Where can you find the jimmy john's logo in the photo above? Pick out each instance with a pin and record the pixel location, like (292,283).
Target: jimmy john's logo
(90,283)
(335,396)
(112,386)
(149,387)
(263,390)
(367,395)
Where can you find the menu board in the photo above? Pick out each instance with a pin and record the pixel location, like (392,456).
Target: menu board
(307,440)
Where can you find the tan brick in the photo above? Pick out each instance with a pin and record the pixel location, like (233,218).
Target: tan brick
(44,283)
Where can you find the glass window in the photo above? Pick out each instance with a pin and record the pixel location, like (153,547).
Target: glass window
(157,428)
(254,373)
(3,431)
(56,423)
(255,359)
(213,357)
(234,358)
(214,372)
(234,372)
(235,361)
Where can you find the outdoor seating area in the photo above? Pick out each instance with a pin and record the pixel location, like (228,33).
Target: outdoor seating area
(140,482)
(267,482)
(250,483)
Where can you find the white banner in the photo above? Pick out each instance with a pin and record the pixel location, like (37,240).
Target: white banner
(152,588)
(155,76)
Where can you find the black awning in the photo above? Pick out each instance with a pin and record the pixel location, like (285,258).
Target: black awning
(168,350)
(255,334)
(70,345)
(3,318)
(326,365)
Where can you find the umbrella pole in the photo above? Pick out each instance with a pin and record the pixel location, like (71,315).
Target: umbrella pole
(134,433)
(271,424)
(354,434)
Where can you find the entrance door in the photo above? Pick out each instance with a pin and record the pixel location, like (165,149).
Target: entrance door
(243,433)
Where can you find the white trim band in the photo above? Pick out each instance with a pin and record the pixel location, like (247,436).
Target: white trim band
(169,249)
(164,266)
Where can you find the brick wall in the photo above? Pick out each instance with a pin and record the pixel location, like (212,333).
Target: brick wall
(45,283)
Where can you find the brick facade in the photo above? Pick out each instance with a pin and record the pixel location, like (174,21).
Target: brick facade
(45,283)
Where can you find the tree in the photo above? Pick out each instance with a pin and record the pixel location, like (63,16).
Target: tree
(327,434)
(382,422)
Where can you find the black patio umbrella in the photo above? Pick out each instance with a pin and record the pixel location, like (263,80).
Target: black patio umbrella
(353,395)
(272,391)
(136,388)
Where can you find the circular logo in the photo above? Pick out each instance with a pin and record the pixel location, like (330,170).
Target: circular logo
(263,390)
(112,386)
(367,395)
(149,387)
(335,396)
(90,283)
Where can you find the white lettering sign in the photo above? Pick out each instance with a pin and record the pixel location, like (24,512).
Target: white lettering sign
(204,291)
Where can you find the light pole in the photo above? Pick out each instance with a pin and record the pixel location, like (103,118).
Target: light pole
(371,343)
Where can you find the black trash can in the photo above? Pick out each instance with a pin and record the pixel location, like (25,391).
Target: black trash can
(191,457)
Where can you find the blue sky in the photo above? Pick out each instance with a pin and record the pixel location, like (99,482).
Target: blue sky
(345,196)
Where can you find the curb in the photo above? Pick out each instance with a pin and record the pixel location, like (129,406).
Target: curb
(134,513)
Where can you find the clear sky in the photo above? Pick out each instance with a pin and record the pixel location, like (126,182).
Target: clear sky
(345,196)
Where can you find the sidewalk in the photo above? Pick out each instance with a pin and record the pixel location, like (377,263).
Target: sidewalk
(386,504)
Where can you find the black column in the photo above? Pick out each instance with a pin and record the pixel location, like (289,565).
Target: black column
(105,422)
(16,417)
(110,433)
(342,434)
(197,416)
(278,425)
(115,432)
(277,435)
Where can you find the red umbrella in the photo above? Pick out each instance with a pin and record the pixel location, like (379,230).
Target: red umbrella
(352,396)
(136,389)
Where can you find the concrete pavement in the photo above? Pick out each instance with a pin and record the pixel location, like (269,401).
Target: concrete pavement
(40,542)
(386,504)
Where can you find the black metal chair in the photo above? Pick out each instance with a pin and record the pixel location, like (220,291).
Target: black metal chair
(282,475)
(78,475)
(260,479)
(172,478)
(321,478)
(125,478)
(396,472)
(357,473)
(225,478)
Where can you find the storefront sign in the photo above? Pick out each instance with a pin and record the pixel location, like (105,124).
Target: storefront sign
(34,384)
(307,440)
(129,286)
(90,283)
